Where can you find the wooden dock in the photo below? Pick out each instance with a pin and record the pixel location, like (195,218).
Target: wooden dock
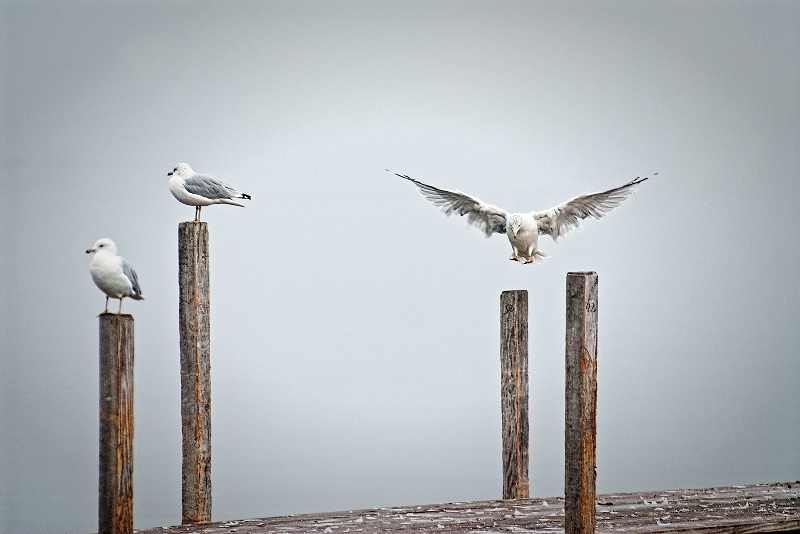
(728,510)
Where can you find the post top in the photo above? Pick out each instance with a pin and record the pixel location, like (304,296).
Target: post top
(525,291)
(582,275)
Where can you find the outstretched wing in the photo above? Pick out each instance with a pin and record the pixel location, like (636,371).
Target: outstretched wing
(564,217)
(209,187)
(490,219)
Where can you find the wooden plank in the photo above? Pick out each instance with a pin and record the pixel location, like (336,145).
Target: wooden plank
(727,510)
(514,392)
(195,360)
(115,501)
(732,510)
(580,403)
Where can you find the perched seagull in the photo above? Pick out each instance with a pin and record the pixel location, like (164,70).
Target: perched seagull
(112,274)
(201,189)
(523,229)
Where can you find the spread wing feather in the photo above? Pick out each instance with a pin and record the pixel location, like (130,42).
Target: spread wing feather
(490,219)
(561,219)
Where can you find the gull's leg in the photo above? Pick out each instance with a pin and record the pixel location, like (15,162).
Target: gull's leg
(197,214)
(531,254)
(106,310)
(120,306)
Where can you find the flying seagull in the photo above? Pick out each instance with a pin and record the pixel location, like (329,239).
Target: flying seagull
(523,229)
(112,274)
(201,189)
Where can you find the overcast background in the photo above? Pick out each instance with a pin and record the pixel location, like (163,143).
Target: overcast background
(355,328)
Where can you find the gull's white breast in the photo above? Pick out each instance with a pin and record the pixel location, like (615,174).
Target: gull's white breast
(107,274)
(527,235)
(176,187)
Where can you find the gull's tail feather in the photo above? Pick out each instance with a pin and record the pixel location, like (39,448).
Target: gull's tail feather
(538,257)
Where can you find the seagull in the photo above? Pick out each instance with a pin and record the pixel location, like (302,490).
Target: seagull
(201,189)
(523,229)
(112,274)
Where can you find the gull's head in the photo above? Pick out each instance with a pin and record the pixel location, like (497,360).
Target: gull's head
(104,246)
(181,170)
(514,224)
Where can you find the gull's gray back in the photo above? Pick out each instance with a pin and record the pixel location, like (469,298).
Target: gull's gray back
(208,187)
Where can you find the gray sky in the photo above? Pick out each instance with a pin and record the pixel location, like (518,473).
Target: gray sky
(355,329)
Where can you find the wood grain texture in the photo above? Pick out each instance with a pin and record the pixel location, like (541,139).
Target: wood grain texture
(514,392)
(195,359)
(754,509)
(115,501)
(580,437)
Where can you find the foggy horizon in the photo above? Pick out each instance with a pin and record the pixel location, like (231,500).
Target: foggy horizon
(354,327)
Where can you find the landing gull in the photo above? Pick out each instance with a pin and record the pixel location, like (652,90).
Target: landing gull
(523,229)
(201,189)
(112,274)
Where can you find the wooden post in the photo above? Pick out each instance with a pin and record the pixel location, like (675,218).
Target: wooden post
(115,503)
(581,404)
(195,346)
(514,392)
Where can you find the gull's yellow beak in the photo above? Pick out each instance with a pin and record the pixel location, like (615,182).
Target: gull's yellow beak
(90,250)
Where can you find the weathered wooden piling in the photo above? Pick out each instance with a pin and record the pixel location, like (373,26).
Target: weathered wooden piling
(514,392)
(580,404)
(115,502)
(195,350)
